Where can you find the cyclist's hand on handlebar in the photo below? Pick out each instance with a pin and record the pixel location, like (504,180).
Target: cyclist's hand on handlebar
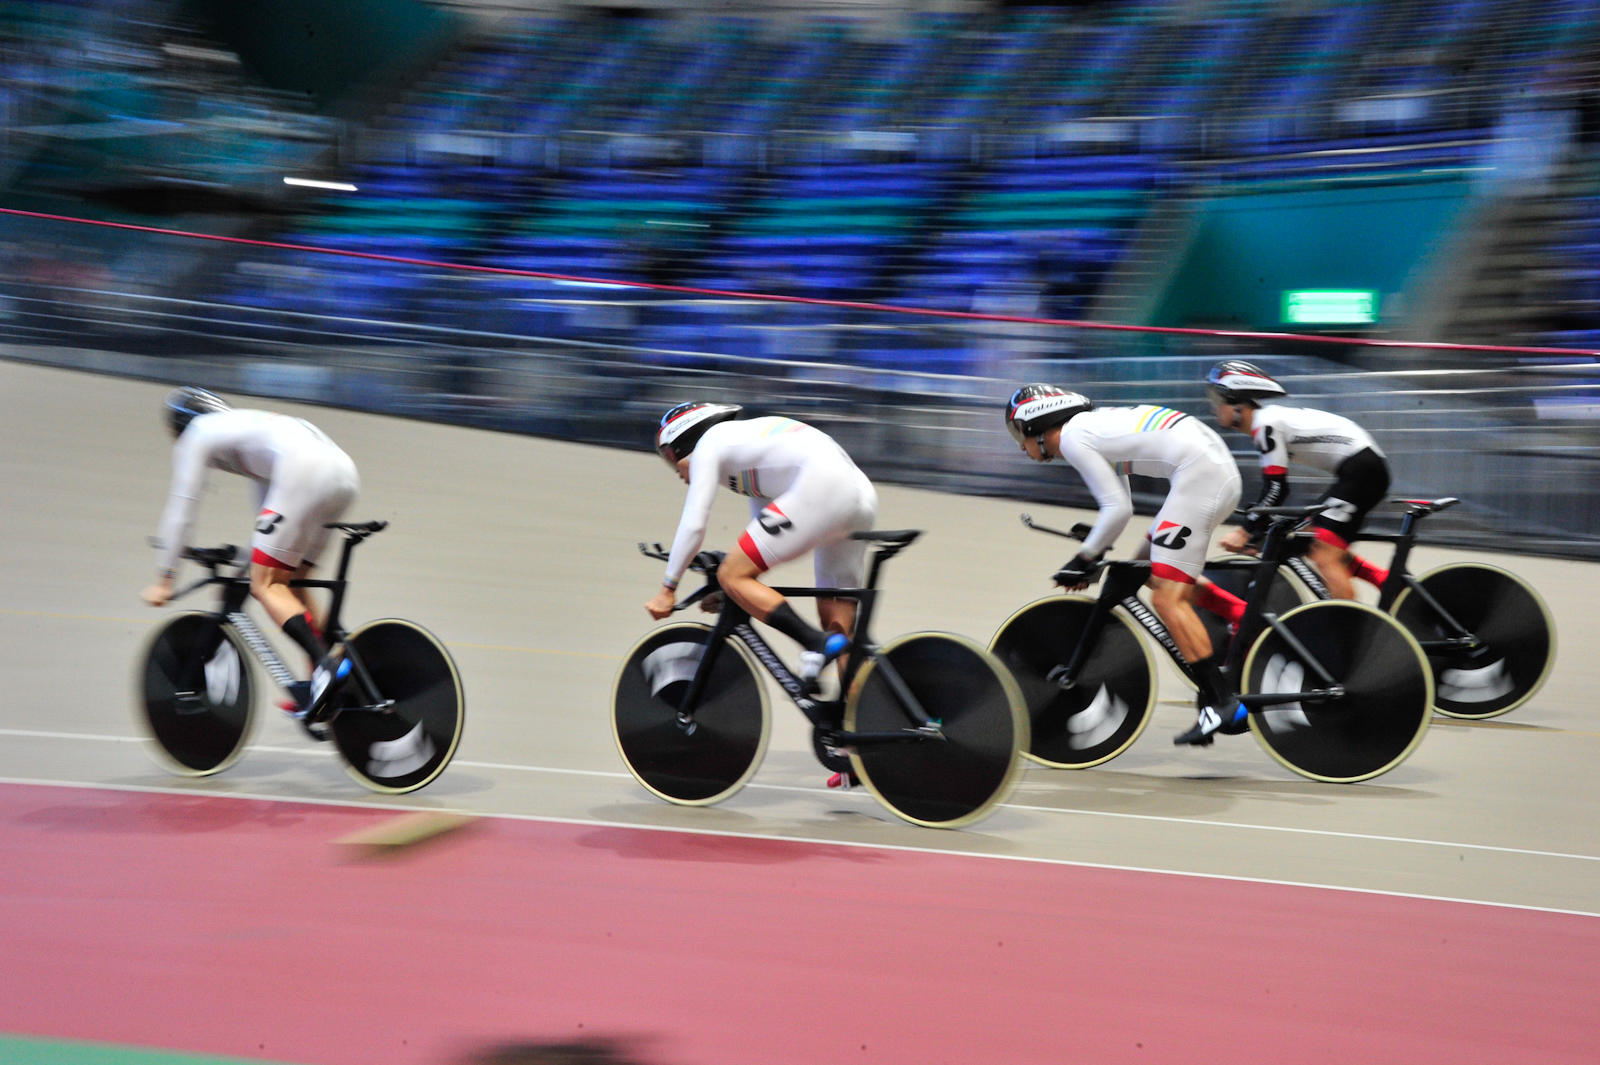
(661,604)
(158,593)
(1076,574)
(1236,539)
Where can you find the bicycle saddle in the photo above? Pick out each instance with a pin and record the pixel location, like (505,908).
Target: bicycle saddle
(895,537)
(1428,506)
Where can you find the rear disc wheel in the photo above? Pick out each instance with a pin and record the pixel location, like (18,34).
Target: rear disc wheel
(1516,634)
(406,744)
(1374,725)
(969,767)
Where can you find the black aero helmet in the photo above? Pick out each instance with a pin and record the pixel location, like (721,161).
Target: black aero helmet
(1237,381)
(185,404)
(1035,408)
(683,425)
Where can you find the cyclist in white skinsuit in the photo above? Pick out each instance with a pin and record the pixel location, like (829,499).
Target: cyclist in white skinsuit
(1315,438)
(1105,446)
(805,495)
(303,479)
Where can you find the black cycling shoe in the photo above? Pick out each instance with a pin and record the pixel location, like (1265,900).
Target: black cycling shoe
(1238,724)
(1232,719)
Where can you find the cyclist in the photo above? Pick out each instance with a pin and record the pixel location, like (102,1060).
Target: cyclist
(302,480)
(805,495)
(1105,445)
(1318,439)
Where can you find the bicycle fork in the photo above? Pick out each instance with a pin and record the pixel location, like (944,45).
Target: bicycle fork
(191,679)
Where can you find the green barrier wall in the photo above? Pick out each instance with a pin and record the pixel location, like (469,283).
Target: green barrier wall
(1251,247)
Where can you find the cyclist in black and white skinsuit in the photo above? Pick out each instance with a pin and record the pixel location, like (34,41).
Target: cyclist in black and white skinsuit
(1105,445)
(805,495)
(303,479)
(1315,438)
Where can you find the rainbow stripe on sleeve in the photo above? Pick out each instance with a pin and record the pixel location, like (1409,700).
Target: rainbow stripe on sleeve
(1158,418)
(781,426)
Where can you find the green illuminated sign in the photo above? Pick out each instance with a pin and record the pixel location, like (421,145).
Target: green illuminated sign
(1324,306)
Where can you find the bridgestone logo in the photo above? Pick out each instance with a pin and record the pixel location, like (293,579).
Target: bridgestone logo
(774,664)
(1310,576)
(258,644)
(1143,615)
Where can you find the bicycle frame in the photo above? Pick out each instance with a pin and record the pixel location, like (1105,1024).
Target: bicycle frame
(1399,579)
(1122,583)
(734,622)
(231,613)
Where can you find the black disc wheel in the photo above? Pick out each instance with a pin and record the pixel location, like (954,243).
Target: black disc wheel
(1514,633)
(705,760)
(1108,705)
(957,773)
(398,726)
(1232,573)
(1381,715)
(195,696)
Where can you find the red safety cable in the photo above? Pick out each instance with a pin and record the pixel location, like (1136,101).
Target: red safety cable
(890,308)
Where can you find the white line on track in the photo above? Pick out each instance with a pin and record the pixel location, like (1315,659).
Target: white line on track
(758,786)
(821,842)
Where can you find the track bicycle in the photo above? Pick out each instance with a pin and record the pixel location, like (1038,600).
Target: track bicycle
(1488,635)
(930,723)
(396,720)
(1336,691)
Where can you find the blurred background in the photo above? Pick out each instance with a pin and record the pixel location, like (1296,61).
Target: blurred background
(879,217)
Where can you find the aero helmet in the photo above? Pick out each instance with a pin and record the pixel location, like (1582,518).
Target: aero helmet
(683,425)
(185,404)
(1237,381)
(1035,408)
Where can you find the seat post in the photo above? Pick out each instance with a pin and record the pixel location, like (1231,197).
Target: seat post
(337,601)
(1408,536)
(879,557)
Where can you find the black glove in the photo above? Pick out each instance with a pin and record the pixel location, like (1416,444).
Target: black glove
(1076,572)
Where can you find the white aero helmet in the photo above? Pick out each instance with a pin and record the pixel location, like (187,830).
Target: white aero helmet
(1237,381)
(184,405)
(1034,408)
(683,425)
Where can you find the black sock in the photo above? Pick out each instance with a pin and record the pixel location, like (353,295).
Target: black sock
(786,621)
(298,629)
(1214,687)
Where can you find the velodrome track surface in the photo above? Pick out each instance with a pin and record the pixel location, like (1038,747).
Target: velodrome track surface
(144,909)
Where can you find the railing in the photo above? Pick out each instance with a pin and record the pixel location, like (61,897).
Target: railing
(1516,440)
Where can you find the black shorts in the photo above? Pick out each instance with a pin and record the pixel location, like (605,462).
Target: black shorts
(1362,483)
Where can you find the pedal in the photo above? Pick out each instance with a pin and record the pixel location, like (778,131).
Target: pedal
(824,743)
